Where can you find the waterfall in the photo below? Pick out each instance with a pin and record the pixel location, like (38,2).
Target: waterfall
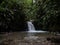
(31,28)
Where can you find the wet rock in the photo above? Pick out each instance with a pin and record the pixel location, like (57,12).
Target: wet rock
(6,42)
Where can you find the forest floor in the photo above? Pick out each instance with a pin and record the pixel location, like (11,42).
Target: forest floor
(23,38)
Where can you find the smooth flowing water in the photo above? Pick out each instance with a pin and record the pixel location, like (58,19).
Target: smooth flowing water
(31,28)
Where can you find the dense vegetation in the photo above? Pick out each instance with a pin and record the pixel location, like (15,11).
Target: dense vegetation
(15,13)
(12,16)
(48,14)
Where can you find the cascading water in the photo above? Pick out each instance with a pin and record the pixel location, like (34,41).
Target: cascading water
(31,32)
(31,27)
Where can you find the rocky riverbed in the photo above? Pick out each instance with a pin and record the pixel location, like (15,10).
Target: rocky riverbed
(24,38)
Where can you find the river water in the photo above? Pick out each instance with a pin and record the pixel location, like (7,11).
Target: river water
(24,38)
(30,37)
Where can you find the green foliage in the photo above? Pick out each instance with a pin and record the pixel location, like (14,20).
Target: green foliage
(48,13)
(15,13)
(12,16)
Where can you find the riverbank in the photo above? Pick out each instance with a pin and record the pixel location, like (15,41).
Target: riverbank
(24,38)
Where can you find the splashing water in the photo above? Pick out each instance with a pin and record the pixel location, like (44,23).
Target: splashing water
(31,28)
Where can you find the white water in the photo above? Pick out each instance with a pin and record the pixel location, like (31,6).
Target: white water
(31,28)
